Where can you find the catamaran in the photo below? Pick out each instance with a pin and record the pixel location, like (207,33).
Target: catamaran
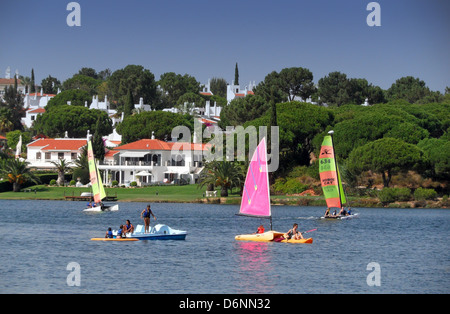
(98,190)
(330,180)
(256,198)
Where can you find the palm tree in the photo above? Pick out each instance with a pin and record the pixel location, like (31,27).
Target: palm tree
(17,172)
(62,167)
(223,174)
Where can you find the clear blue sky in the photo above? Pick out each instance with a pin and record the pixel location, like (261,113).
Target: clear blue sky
(205,38)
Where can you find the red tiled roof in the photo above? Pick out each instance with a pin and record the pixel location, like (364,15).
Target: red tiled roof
(50,144)
(2,138)
(6,81)
(206,93)
(205,121)
(39,94)
(37,110)
(149,144)
(111,153)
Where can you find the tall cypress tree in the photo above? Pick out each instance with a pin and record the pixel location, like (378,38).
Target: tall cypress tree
(33,87)
(129,104)
(236,75)
(97,142)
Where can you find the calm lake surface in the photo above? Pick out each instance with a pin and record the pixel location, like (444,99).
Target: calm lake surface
(40,238)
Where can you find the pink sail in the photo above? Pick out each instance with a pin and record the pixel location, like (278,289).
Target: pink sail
(256,194)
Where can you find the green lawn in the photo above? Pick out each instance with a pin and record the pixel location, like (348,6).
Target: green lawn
(170,193)
(185,193)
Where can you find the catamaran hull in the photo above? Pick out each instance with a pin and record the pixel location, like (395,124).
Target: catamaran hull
(270,236)
(99,209)
(158,232)
(342,217)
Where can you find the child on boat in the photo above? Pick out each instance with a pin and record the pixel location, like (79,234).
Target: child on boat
(109,233)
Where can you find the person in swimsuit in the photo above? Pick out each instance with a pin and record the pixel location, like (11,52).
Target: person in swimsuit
(293,233)
(128,228)
(145,214)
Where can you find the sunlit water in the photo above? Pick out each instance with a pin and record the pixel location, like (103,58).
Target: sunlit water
(40,238)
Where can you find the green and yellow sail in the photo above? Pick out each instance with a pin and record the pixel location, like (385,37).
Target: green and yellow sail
(329,175)
(96,181)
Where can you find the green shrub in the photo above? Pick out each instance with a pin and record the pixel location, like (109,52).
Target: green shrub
(390,195)
(422,194)
(386,196)
(72,182)
(402,194)
(115,183)
(81,173)
(134,183)
(289,186)
(52,182)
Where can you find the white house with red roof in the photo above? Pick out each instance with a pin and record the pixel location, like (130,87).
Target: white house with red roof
(31,116)
(235,91)
(41,152)
(151,161)
(37,100)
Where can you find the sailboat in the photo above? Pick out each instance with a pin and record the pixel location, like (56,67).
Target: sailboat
(98,190)
(330,179)
(256,198)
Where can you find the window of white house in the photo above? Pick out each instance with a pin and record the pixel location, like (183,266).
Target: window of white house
(60,155)
(48,156)
(38,156)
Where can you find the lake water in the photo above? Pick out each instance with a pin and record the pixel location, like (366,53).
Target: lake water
(40,238)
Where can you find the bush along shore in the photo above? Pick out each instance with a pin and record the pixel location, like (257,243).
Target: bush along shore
(387,197)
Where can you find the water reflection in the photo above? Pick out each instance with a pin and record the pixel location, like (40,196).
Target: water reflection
(255,267)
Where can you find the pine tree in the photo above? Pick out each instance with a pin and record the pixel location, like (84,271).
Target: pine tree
(236,75)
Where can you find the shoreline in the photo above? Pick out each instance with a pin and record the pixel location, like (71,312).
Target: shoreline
(276,200)
(192,194)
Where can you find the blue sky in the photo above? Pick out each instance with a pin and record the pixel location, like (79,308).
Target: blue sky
(206,38)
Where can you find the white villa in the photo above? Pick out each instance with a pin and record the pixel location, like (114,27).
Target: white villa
(147,161)
(234,91)
(42,151)
(150,161)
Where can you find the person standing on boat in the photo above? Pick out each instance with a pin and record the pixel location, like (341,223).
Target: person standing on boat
(293,233)
(145,214)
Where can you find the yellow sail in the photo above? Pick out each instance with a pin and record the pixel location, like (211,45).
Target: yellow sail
(96,180)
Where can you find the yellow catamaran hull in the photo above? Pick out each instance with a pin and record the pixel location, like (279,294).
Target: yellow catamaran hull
(270,236)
